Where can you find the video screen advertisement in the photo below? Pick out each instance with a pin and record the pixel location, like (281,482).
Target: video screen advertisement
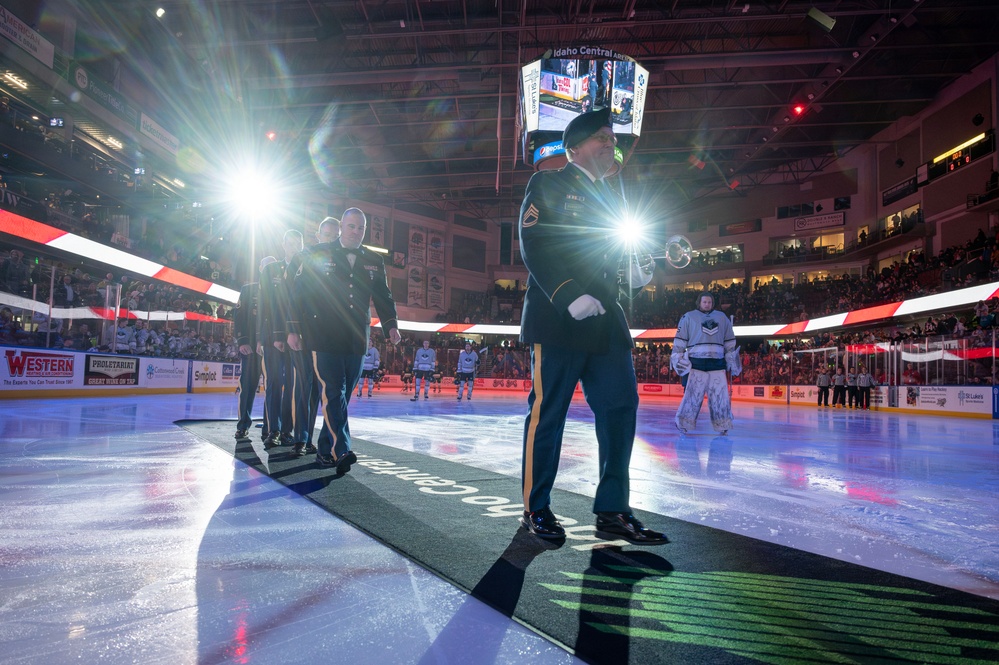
(566,82)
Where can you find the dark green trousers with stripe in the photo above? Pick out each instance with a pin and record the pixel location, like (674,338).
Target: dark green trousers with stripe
(611,392)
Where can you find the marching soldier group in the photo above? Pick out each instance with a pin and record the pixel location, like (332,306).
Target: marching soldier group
(309,318)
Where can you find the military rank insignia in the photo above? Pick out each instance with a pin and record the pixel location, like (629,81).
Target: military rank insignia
(530,217)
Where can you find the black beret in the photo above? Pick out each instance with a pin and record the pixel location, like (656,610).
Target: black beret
(584,126)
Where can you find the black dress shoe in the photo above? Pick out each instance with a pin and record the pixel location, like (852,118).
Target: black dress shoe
(344,463)
(627,527)
(542,523)
(324,461)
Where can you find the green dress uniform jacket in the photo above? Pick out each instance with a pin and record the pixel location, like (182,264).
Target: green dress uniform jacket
(331,301)
(570,251)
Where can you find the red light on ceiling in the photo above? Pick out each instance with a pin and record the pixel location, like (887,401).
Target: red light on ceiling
(798,109)
(271,135)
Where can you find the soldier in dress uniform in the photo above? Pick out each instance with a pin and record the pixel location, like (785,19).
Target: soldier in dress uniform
(577,330)
(279,371)
(245,322)
(330,318)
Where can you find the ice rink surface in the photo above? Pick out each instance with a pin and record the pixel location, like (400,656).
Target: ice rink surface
(124,538)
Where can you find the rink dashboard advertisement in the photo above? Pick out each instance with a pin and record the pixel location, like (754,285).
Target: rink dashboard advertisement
(27,372)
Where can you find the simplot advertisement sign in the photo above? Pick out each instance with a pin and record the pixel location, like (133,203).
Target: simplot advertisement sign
(214,375)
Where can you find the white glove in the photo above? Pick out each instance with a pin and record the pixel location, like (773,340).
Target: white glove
(585,306)
(733,361)
(680,363)
(640,270)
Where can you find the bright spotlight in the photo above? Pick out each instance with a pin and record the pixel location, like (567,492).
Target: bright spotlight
(160,12)
(631,231)
(253,194)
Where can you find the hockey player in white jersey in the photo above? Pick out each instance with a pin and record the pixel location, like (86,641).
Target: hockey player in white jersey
(468,362)
(369,369)
(704,348)
(424,364)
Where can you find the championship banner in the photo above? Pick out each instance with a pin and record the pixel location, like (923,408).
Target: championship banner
(378,231)
(435,292)
(418,245)
(417,287)
(435,249)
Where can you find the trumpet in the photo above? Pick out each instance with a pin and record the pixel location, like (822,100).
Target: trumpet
(636,269)
(679,252)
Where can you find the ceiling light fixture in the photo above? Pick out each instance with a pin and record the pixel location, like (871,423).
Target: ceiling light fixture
(16,80)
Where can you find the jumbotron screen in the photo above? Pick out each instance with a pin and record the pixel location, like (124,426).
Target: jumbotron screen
(570,81)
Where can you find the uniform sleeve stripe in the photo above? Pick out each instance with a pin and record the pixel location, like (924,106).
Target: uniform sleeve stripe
(559,287)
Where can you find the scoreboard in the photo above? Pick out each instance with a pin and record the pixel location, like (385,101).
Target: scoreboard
(961,156)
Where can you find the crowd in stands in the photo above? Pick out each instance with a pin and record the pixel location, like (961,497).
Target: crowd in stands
(976,261)
(30,279)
